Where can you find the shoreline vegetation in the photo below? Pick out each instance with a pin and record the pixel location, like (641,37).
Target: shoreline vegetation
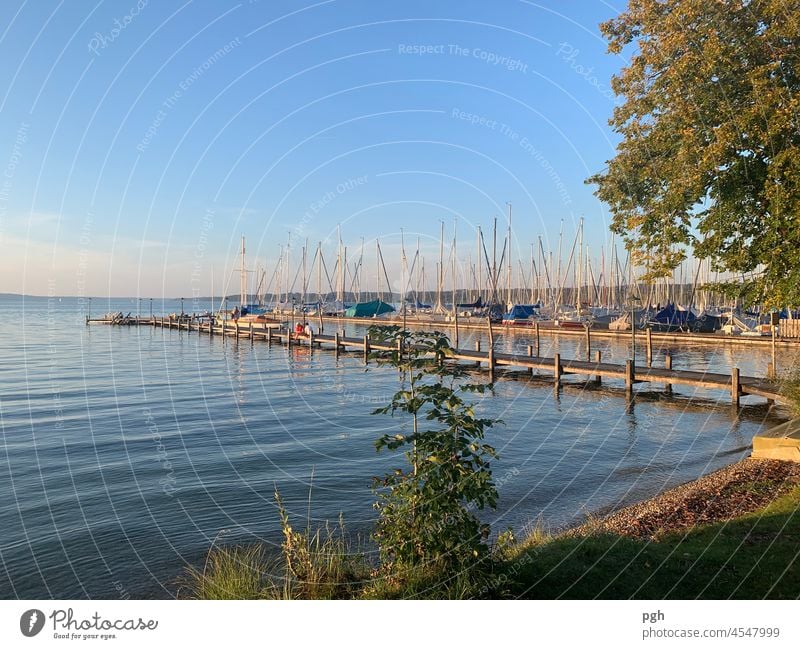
(729,534)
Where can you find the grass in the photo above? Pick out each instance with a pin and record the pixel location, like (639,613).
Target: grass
(241,572)
(751,557)
(312,565)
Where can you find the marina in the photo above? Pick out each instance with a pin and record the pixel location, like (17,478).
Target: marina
(736,384)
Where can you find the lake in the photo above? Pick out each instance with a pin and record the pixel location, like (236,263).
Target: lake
(127,451)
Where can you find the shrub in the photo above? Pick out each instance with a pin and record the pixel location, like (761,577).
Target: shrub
(427,510)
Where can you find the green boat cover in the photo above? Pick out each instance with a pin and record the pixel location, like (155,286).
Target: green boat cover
(368,309)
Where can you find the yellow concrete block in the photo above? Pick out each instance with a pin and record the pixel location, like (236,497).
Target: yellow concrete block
(779,443)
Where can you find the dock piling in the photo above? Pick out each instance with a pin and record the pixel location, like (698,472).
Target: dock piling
(557,371)
(588,342)
(735,387)
(491,351)
(668,365)
(649,346)
(536,333)
(630,376)
(366,349)
(530,353)
(598,378)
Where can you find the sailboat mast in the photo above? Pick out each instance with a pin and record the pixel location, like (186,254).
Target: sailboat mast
(558,261)
(580,264)
(533,285)
(286,268)
(319,273)
(494,261)
(480,264)
(305,273)
(378,269)
(403,270)
(510,269)
(454,266)
(243,280)
(339,267)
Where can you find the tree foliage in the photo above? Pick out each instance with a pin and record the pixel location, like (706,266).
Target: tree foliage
(427,510)
(710,150)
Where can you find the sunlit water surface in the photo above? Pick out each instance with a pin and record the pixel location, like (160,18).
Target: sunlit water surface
(127,451)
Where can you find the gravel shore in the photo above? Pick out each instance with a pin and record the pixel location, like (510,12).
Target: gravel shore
(720,496)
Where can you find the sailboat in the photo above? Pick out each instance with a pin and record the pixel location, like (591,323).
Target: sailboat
(582,316)
(247,312)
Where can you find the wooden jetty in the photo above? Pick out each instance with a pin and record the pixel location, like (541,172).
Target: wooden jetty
(790,340)
(630,373)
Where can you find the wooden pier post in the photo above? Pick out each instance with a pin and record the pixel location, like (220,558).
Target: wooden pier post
(477,349)
(336,344)
(491,350)
(735,388)
(311,341)
(649,346)
(252,337)
(597,379)
(211,326)
(455,311)
(557,371)
(774,372)
(530,353)
(366,349)
(630,376)
(668,365)
(588,342)
(536,332)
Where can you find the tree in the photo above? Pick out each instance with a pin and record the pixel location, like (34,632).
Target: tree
(710,150)
(427,510)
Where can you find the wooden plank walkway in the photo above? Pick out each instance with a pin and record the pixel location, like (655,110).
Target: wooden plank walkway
(735,384)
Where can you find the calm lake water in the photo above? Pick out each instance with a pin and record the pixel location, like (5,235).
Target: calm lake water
(127,451)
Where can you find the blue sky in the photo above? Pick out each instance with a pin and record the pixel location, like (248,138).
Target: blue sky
(140,141)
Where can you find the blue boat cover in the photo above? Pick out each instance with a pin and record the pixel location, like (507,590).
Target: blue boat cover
(671,315)
(520,312)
